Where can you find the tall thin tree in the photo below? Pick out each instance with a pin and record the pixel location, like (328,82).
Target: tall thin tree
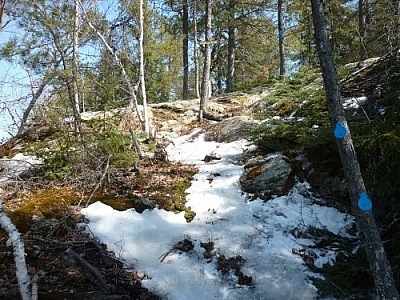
(75,64)
(362,27)
(379,265)
(195,57)
(142,79)
(185,49)
(205,83)
(282,69)
(231,46)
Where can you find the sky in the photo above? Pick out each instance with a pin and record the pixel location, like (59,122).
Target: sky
(260,232)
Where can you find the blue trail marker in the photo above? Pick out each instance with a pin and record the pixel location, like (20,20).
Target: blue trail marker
(340,131)
(364,203)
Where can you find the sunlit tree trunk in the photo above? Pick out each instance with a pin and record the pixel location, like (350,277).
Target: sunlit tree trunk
(133,102)
(205,83)
(185,49)
(385,285)
(195,58)
(231,47)
(2,5)
(142,81)
(23,278)
(75,64)
(35,97)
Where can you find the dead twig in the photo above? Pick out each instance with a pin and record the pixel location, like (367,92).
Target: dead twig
(72,257)
(100,181)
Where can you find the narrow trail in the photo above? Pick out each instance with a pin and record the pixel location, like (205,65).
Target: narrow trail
(252,246)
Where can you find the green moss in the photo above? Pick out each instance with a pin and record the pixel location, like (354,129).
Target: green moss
(189,214)
(47,203)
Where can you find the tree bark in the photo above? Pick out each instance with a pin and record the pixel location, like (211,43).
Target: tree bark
(142,81)
(75,64)
(362,27)
(282,70)
(133,103)
(380,268)
(35,96)
(2,5)
(195,58)
(23,278)
(231,47)
(185,49)
(205,84)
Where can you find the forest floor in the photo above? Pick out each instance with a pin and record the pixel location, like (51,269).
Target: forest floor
(51,234)
(69,262)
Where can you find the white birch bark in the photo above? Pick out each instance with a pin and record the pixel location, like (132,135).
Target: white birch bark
(142,81)
(133,103)
(23,278)
(75,55)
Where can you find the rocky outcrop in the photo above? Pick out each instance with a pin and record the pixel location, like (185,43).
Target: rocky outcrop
(230,129)
(267,175)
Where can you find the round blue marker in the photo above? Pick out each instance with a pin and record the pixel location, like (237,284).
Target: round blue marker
(340,131)
(364,203)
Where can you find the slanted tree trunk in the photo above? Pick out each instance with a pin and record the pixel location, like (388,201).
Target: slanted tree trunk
(35,96)
(185,49)
(380,268)
(23,278)
(282,70)
(133,102)
(205,83)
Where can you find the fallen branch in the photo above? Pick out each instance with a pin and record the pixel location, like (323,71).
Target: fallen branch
(71,256)
(19,254)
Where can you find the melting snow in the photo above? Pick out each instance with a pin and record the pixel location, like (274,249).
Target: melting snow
(260,232)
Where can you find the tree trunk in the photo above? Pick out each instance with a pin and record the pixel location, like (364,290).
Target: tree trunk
(133,103)
(142,81)
(231,47)
(35,96)
(205,84)
(195,59)
(282,70)
(362,27)
(185,49)
(19,254)
(75,64)
(380,268)
(2,4)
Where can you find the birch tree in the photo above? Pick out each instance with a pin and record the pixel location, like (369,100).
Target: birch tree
(16,242)
(385,285)
(132,89)
(75,65)
(142,80)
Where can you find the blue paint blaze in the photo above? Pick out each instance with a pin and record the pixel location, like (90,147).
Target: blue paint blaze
(340,131)
(364,203)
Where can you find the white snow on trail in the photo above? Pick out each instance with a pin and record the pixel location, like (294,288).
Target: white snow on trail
(260,232)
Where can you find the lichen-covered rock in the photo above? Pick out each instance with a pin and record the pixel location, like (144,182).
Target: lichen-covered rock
(267,175)
(230,129)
